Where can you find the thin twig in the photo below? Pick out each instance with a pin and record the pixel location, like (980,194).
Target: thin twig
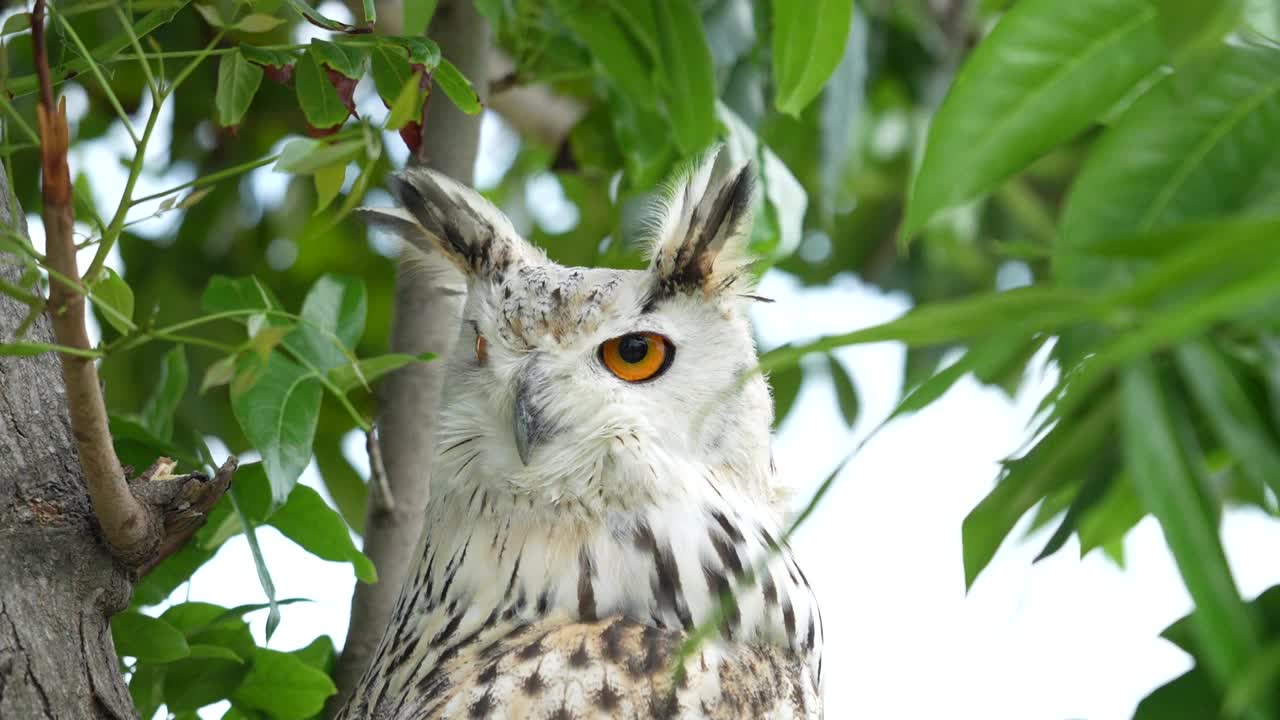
(383,496)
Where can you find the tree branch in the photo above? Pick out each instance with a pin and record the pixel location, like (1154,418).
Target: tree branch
(132,527)
(426,319)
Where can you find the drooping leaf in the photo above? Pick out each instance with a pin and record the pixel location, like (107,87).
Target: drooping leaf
(278,415)
(304,157)
(284,686)
(1045,72)
(1170,489)
(333,317)
(192,683)
(238,82)
(389,65)
(319,654)
(457,87)
(407,105)
(113,292)
(147,638)
(808,42)
(353,375)
(146,688)
(167,393)
(345,59)
(686,74)
(1190,696)
(1147,174)
(347,488)
(308,521)
(1048,466)
(328,181)
(317,97)
(846,391)
(226,294)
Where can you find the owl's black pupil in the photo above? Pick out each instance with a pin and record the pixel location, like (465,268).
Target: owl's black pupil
(633,348)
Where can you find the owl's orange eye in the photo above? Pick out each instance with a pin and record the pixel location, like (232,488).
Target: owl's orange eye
(482,349)
(637,357)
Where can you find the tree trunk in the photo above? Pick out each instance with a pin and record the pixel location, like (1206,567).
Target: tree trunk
(58,584)
(426,320)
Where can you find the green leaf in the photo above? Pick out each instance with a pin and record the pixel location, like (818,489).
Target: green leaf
(319,529)
(1190,696)
(304,157)
(360,374)
(417,15)
(1191,27)
(457,87)
(225,294)
(257,23)
(347,60)
(328,181)
(808,42)
(284,686)
(313,16)
(113,292)
(317,97)
(278,414)
(1112,518)
(1051,464)
(238,82)
(218,373)
(1232,415)
(389,65)
(686,74)
(784,194)
(211,15)
(785,383)
(333,317)
(147,638)
(346,487)
(166,394)
(408,103)
(259,563)
(846,391)
(625,63)
(1158,464)
(146,688)
(319,654)
(1147,174)
(192,683)
(1047,70)
(422,51)
(266,56)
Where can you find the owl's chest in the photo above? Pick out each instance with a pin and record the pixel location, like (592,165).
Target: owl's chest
(485,575)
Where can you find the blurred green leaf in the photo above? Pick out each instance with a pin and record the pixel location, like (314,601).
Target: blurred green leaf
(407,104)
(1232,415)
(345,485)
(1047,70)
(1190,696)
(171,385)
(1158,464)
(257,23)
(238,82)
(192,683)
(147,638)
(808,42)
(115,293)
(623,61)
(267,57)
(1147,173)
(389,66)
(785,382)
(1053,462)
(846,391)
(225,294)
(686,74)
(1191,26)
(146,687)
(316,18)
(284,686)
(319,654)
(304,157)
(328,181)
(457,87)
(422,51)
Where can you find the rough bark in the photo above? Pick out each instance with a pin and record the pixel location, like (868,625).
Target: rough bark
(425,320)
(58,583)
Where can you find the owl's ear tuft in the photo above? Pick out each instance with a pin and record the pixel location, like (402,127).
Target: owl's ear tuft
(440,215)
(703,225)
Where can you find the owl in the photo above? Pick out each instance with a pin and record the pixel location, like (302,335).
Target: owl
(602,487)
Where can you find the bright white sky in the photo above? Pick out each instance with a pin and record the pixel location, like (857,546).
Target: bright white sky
(1066,638)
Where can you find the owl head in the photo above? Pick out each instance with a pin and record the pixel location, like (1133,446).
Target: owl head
(593,390)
